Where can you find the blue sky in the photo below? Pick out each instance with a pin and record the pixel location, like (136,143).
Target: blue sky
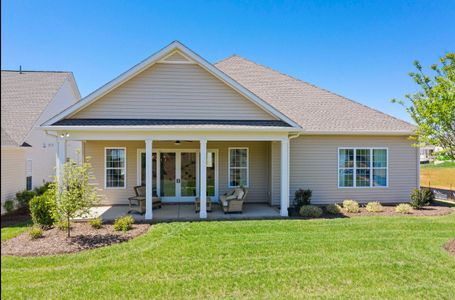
(360,49)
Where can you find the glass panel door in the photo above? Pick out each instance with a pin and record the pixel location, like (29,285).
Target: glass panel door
(167,174)
(154,192)
(211,173)
(188,182)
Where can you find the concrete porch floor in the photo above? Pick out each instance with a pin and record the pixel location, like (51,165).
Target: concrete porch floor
(185,212)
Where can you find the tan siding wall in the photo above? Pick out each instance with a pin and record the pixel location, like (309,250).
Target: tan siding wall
(174,91)
(258,155)
(12,173)
(314,166)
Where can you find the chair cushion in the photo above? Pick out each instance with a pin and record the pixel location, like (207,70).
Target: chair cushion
(240,194)
(231,197)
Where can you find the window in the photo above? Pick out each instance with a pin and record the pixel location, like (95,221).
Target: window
(115,166)
(238,167)
(28,174)
(362,167)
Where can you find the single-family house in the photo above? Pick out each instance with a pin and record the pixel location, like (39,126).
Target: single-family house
(186,128)
(29,98)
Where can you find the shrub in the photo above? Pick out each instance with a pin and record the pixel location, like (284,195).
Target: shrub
(302,197)
(123,223)
(23,198)
(40,190)
(96,223)
(374,207)
(333,209)
(63,224)
(9,205)
(403,208)
(35,232)
(422,197)
(351,206)
(310,211)
(42,209)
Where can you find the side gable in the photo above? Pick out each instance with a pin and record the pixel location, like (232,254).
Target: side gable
(174,91)
(212,89)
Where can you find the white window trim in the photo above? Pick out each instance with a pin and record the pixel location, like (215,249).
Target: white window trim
(371,168)
(247,166)
(105,169)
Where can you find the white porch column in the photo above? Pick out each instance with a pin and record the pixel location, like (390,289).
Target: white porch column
(284,202)
(60,159)
(203,179)
(148,180)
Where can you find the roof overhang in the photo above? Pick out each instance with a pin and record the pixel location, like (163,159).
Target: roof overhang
(145,64)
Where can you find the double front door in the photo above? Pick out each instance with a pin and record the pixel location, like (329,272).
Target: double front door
(178,170)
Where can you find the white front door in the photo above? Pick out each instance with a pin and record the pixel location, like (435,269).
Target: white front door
(178,170)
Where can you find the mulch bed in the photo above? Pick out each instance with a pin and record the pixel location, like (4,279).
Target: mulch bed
(430,210)
(450,246)
(55,241)
(17,216)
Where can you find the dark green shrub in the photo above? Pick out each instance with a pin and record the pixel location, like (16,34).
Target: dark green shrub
(96,223)
(302,197)
(36,232)
(42,209)
(421,197)
(40,190)
(9,205)
(333,209)
(310,211)
(23,198)
(123,223)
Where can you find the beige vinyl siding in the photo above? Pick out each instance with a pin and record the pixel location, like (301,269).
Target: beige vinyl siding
(12,173)
(314,165)
(176,56)
(259,158)
(174,91)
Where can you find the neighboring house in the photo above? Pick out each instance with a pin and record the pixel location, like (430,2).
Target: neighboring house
(428,153)
(182,126)
(28,98)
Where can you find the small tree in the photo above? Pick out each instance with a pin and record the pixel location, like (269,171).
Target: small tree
(76,195)
(433,107)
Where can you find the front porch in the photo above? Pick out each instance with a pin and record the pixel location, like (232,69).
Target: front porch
(186,212)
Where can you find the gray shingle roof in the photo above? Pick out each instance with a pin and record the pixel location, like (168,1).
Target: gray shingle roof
(24,97)
(313,108)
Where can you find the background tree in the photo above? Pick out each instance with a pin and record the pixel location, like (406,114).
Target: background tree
(433,107)
(77,195)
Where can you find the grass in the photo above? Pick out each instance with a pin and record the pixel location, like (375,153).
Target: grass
(363,257)
(13,231)
(438,176)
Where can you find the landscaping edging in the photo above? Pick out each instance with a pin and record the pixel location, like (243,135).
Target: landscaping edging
(55,241)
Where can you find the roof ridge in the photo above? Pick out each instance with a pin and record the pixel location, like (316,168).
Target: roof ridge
(315,86)
(228,57)
(35,71)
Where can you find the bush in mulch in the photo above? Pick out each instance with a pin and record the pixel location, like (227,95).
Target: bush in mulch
(55,241)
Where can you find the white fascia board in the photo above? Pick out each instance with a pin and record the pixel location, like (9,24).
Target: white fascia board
(122,78)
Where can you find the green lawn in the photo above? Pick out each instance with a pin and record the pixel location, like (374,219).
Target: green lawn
(364,257)
(15,230)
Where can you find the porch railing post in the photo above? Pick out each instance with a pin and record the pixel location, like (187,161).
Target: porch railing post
(284,202)
(148,180)
(203,179)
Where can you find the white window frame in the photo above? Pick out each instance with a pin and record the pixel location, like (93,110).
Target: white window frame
(247,166)
(355,168)
(105,169)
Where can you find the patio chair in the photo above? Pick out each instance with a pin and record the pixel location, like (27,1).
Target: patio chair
(139,199)
(232,201)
